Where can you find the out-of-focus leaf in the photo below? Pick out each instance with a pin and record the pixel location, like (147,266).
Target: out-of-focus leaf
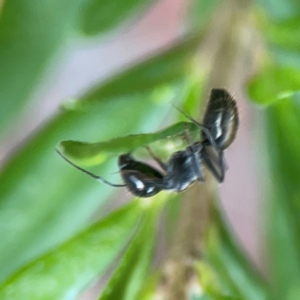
(52,200)
(134,268)
(31,32)
(207,297)
(201,11)
(193,100)
(202,297)
(283,209)
(166,66)
(231,266)
(150,286)
(280,9)
(280,85)
(93,153)
(65,271)
(43,200)
(100,16)
(172,213)
(284,34)
(280,77)
(211,284)
(274,83)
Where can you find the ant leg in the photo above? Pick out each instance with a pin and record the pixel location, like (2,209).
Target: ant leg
(194,149)
(216,165)
(158,160)
(98,178)
(204,128)
(222,165)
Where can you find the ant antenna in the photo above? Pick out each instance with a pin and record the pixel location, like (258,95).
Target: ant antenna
(98,178)
(205,129)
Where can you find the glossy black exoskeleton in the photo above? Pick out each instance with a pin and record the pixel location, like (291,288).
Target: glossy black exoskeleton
(221,120)
(184,167)
(181,170)
(218,131)
(143,180)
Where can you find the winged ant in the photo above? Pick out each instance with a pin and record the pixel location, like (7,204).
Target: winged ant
(184,167)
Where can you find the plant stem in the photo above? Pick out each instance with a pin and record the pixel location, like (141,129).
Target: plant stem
(224,52)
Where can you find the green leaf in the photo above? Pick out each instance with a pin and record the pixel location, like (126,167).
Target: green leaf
(280,9)
(279,77)
(135,265)
(201,12)
(149,289)
(31,32)
(207,297)
(279,85)
(43,201)
(282,154)
(211,283)
(200,297)
(284,33)
(274,83)
(231,266)
(100,16)
(95,153)
(65,271)
(30,48)
(169,65)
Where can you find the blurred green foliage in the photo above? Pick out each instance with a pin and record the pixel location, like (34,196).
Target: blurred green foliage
(99,16)
(49,249)
(82,258)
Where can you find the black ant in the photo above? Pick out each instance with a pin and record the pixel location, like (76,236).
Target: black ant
(184,167)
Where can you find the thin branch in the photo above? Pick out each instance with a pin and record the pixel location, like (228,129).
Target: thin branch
(224,46)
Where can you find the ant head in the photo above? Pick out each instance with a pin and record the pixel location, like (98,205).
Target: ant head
(141,179)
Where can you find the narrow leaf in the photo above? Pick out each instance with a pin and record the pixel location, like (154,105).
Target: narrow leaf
(282,154)
(274,83)
(100,16)
(51,201)
(284,34)
(232,267)
(134,268)
(280,9)
(43,200)
(31,32)
(93,153)
(65,271)
(168,65)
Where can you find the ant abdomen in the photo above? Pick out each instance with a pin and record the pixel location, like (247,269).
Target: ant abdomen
(221,118)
